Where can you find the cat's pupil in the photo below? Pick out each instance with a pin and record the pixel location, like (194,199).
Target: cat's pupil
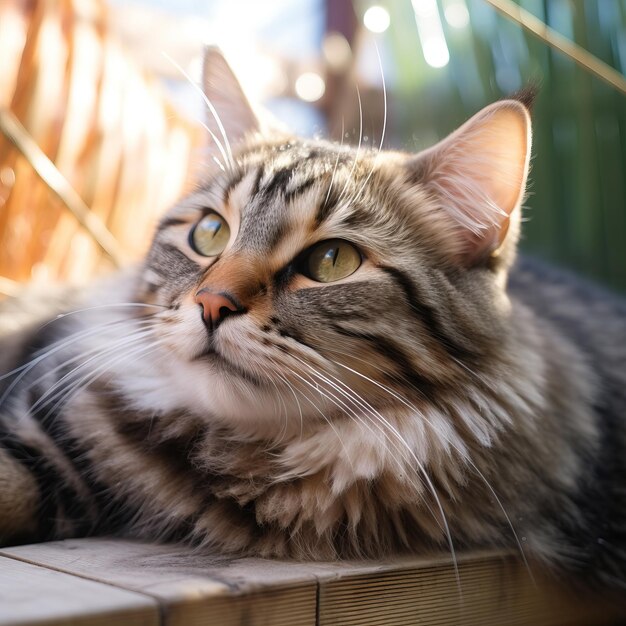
(331,256)
(211,227)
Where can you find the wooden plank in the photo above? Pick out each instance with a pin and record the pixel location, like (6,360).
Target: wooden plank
(164,570)
(198,588)
(192,587)
(170,570)
(30,594)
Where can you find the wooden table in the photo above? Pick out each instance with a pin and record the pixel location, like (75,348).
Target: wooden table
(111,581)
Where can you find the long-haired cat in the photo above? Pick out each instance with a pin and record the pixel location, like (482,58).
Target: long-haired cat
(327,353)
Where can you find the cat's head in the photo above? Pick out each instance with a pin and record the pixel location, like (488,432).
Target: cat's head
(307,280)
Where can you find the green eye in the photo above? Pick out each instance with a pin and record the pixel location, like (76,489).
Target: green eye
(332,260)
(210,235)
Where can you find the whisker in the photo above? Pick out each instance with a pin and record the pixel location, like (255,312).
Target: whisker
(211,108)
(291,388)
(56,347)
(123,342)
(102,306)
(328,421)
(68,393)
(352,396)
(332,178)
(295,397)
(218,162)
(219,145)
(94,349)
(382,136)
(355,416)
(349,393)
(302,391)
(358,150)
(285,426)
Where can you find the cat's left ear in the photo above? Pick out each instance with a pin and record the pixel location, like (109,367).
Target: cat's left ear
(476,179)
(230,117)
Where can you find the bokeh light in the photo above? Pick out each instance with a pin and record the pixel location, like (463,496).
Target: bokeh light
(376,19)
(310,86)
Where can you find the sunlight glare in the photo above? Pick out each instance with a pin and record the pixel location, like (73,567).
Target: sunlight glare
(376,19)
(430,33)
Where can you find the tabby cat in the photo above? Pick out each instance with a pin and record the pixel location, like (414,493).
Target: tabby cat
(330,352)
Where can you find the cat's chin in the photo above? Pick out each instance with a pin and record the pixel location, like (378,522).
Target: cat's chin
(221,365)
(227,379)
(221,393)
(229,366)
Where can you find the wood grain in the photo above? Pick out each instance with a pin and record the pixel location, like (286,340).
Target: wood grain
(489,592)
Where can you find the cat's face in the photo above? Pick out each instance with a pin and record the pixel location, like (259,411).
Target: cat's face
(304,279)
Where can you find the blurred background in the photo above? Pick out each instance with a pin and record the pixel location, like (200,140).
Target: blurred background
(105,89)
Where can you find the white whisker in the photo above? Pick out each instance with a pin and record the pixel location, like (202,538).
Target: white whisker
(332,178)
(100,307)
(382,135)
(219,145)
(94,349)
(69,392)
(321,392)
(351,395)
(219,163)
(358,149)
(291,389)
(55,347)
(122,342)
(211,108)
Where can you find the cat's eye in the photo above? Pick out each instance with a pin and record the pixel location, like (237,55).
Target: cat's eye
(331,260)
(210,235)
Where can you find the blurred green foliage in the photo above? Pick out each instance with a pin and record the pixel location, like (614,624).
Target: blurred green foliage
(576,210)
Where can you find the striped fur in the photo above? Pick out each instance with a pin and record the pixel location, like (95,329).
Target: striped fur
(417,404)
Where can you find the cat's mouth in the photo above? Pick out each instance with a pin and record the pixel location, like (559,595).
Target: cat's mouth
(209,352)
(219,362)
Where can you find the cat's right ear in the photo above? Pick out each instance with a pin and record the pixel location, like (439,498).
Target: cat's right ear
(476,181)
(230,116)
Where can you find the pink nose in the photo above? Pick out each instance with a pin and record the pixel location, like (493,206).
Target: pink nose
(216,307)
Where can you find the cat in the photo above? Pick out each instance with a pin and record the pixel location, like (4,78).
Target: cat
(330,353)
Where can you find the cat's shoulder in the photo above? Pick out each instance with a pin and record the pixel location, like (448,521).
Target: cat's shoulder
(590,315)
(540,283)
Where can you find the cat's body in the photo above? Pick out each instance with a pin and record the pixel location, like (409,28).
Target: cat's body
(345,374)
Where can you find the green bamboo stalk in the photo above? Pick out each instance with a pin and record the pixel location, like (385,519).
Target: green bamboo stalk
(575,52)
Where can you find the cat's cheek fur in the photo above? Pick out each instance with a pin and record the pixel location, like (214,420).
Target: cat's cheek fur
(185,334)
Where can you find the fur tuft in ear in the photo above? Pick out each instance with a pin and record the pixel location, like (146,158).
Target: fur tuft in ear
(477,179)
(527,95)
(230,117)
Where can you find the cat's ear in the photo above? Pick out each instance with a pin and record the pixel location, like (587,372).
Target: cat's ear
(230,117)
(477,179)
